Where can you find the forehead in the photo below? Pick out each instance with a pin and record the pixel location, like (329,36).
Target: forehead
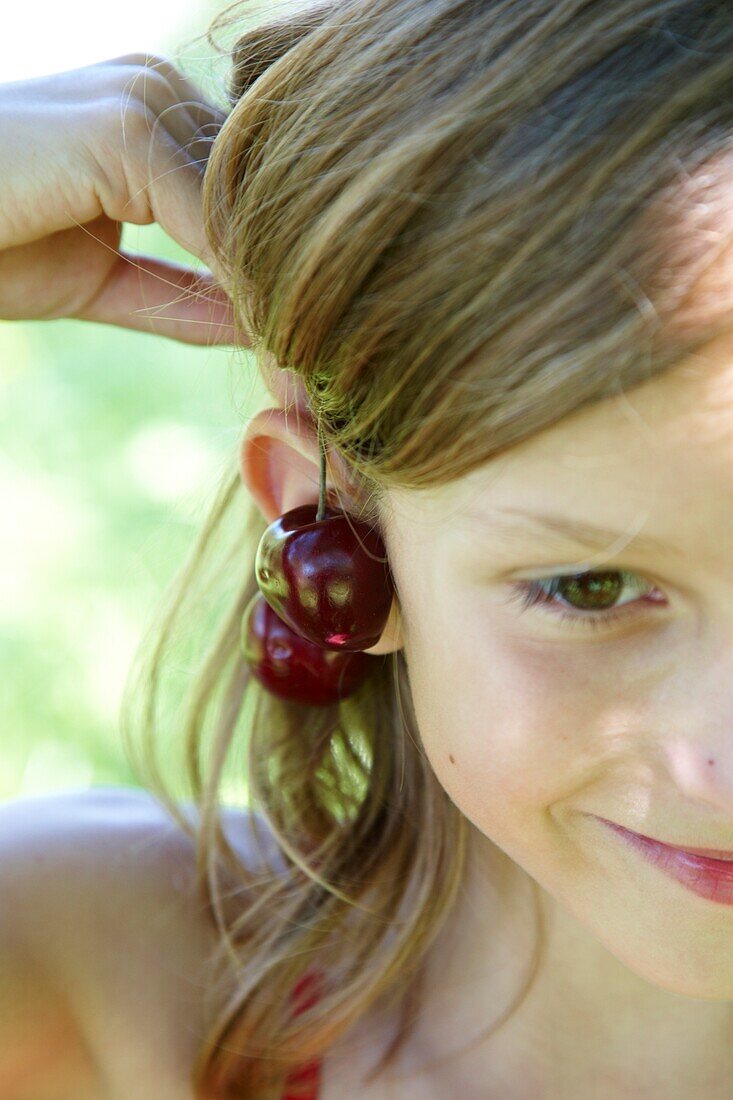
(662,451)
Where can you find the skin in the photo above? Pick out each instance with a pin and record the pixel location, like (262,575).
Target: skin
(531,724)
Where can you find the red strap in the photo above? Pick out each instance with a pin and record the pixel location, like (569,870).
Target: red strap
(308,1077)
(307,1080)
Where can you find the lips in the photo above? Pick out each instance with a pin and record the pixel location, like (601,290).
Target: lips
(706,853)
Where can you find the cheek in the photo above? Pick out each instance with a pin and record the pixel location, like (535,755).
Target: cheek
(510,729)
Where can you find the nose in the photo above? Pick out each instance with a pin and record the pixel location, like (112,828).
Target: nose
(697,745)
(702,770)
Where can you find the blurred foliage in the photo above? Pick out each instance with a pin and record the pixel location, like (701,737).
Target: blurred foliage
(111,444)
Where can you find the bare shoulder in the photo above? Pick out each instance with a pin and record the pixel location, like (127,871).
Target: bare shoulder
(108,841)
(105,881)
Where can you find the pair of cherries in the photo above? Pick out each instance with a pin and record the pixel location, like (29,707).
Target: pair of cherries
(325,593)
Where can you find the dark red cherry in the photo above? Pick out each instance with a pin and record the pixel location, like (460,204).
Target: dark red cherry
(329,580)
(292,667)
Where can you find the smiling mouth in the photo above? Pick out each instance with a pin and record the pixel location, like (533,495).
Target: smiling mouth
(706,853)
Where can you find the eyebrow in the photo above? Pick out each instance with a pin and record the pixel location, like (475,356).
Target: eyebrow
(511,523)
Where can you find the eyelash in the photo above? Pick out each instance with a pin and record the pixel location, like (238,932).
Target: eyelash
(541,592)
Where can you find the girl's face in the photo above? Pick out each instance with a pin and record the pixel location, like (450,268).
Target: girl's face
(537,724)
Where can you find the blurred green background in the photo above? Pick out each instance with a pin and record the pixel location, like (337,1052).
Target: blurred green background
(112,442)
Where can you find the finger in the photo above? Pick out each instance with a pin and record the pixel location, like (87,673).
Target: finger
(174,182)
(144,82)
(168,299)
(190,122)
(148,177)
(168,95)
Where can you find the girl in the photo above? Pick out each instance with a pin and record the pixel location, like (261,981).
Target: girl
(482,252)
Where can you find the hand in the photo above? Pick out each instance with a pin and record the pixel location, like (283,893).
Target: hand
(83,151)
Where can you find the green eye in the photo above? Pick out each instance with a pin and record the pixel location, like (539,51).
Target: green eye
(588,598)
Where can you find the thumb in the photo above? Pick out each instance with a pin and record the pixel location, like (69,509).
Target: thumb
(165,298)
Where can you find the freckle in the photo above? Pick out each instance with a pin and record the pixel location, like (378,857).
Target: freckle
(452,759)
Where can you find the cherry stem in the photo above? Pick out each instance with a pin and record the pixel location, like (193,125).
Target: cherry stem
(322,487)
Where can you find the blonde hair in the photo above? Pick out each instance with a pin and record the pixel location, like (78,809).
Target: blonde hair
(457,223)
